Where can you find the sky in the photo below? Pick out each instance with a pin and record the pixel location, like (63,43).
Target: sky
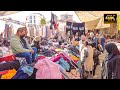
(21,16)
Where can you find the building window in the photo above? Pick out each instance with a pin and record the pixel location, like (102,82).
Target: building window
(30,21)
(30,17)
(34,17)
(34,21)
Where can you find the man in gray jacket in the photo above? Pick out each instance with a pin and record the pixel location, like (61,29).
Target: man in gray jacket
(20,46)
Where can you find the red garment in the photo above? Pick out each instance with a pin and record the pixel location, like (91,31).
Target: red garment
(8,58)
(4,72)
(55,26)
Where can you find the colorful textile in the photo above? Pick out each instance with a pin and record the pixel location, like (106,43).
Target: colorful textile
(64,64)
(47,70)
(24,72)
(9,75)
(7,58)
(39,58)
(74,57)
(15,64)
(28,70)
(4,72)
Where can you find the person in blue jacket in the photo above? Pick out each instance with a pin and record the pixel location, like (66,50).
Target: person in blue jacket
(102,41)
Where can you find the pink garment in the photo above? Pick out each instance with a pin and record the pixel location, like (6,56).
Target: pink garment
(61,55)
(47,70)
(55,58)
(40,58)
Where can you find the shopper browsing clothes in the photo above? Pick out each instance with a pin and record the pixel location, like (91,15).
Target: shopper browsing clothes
(102,41)
(111,64)
(20,46)
(96,54)
(96,40)
(87,60)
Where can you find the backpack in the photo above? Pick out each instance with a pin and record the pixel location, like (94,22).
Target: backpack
(47,69)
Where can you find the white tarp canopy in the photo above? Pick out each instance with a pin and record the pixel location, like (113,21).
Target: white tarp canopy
(101,24)
(4,13)
(93,16)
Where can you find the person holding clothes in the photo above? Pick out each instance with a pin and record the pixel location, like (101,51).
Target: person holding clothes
(20,46)
(111,64)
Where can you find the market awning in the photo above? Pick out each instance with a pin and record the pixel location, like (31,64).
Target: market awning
(101,24)
(101,13)
(85,16)
(92,24)
(91,18)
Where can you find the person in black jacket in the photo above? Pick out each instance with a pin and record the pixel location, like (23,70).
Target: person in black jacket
(95,58)
(113,64)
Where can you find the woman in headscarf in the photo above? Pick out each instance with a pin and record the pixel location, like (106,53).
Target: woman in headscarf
(113,62)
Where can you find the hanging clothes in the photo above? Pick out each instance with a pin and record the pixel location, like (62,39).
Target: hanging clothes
(40,31)
(31,31)
(35,31)
(44,31)
(12,30)
(6,31)
(28,30)
(9,32)
(48,32)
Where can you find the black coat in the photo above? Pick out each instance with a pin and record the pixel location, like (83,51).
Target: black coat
(113,61)
(96,57)
(114,67)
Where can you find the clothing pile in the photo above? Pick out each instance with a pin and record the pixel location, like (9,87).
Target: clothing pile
(50,63)
(9,69)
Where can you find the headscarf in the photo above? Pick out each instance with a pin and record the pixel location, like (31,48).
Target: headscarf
(83,37)
(112,49)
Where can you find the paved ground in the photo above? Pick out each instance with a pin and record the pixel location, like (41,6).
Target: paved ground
(98,69)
